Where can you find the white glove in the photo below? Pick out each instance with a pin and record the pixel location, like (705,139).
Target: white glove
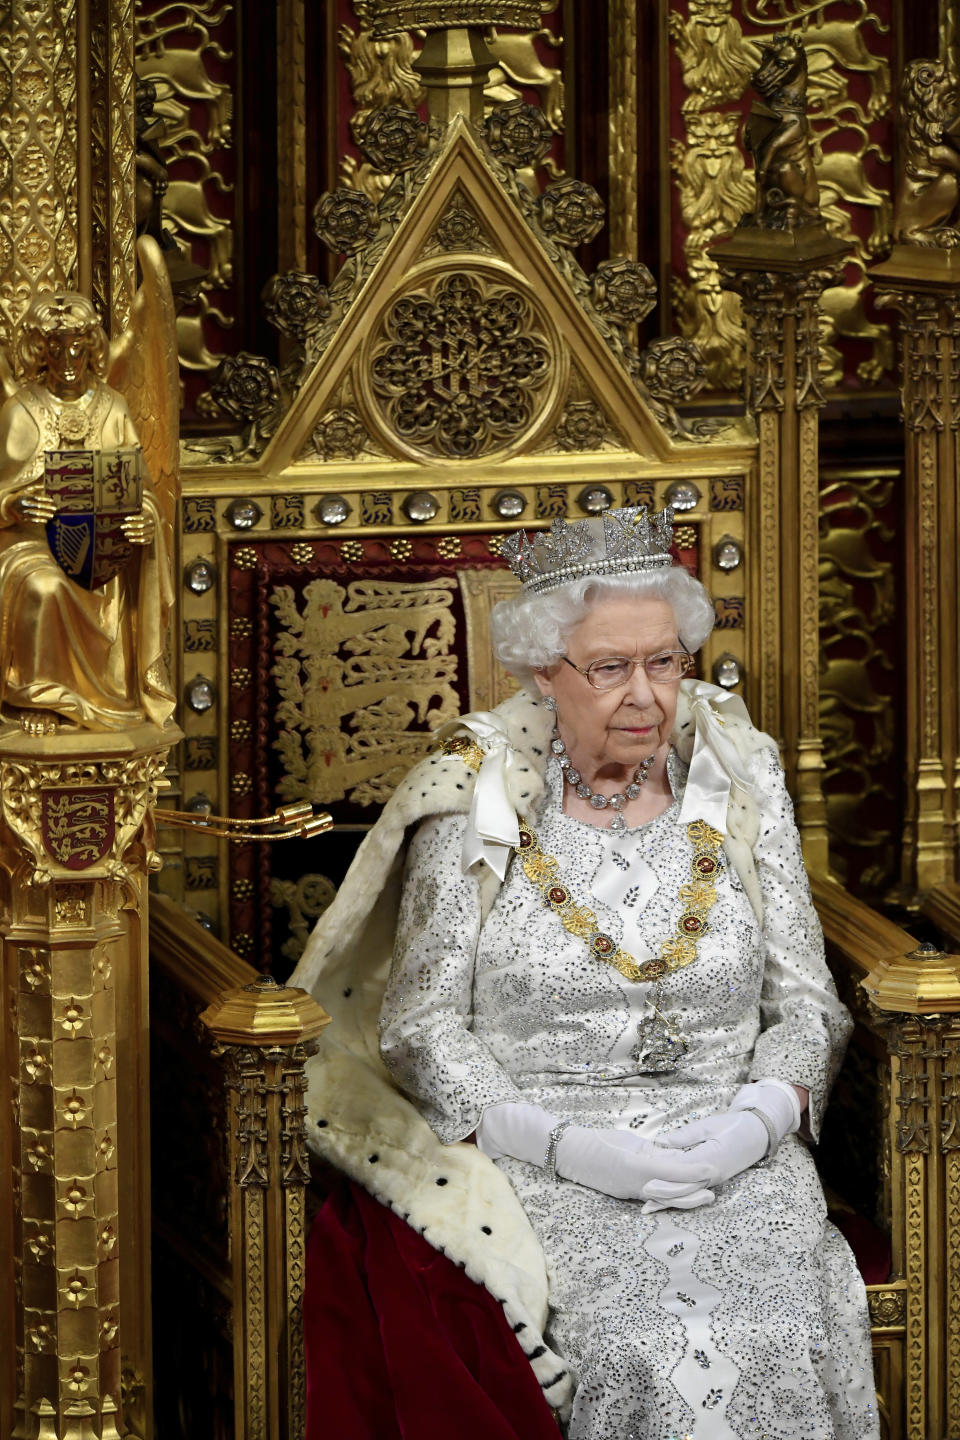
(624,1165)
(735,1140)
(616,1162)
(512,1127)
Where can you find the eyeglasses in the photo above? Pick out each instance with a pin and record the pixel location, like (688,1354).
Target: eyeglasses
(616,670)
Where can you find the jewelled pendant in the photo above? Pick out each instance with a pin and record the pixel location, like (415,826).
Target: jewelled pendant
(661,1044)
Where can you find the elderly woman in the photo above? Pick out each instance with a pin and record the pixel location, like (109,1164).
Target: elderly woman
(607,970)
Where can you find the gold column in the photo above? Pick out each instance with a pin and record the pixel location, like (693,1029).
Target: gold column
(292,127)
(265,1034)
(780,277)
(918,997)
(66,154)
(923,283)
(39,221)
(108,266)
(779,260)
(75,1225)
(624,161)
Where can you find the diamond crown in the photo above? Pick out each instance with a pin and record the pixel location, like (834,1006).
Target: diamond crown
(620,543)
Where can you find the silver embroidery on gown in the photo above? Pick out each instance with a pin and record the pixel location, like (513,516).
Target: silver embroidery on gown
(743,1320)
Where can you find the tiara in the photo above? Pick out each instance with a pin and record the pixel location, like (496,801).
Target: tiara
(628,540)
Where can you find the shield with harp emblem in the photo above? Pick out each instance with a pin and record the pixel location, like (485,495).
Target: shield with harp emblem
(94,491)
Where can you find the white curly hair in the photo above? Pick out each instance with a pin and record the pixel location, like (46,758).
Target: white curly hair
(530,632)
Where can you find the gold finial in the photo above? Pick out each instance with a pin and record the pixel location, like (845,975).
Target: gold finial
(455,62)
(265,1013)
(924,982)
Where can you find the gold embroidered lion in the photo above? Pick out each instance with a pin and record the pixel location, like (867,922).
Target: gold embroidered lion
(929,194)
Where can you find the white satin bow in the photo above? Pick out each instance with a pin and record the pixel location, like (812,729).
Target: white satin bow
(716,764)
(492,828)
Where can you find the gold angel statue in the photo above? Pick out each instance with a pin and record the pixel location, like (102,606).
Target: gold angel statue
(88,491)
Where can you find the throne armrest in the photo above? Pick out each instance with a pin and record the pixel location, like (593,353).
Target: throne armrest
(262,1034)
(899,1094)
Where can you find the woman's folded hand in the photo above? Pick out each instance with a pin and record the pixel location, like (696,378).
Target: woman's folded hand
(624,1165)
(758,1119)
(725,1144)
(617,1162)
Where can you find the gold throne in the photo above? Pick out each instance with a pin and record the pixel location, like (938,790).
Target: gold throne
(363,535)
(459,377)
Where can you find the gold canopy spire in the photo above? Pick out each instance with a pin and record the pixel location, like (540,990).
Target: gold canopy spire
(455,61)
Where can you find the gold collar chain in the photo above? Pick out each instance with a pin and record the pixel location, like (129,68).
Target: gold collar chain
(697,897)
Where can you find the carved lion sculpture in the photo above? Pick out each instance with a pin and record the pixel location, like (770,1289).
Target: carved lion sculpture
(778,136)
(928,198)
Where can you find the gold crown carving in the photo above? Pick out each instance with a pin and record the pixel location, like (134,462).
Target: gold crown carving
(621,543)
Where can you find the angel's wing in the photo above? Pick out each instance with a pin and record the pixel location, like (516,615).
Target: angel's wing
(8,381)
(143,367)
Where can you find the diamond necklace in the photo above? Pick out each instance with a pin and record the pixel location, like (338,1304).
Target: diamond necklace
(603,802)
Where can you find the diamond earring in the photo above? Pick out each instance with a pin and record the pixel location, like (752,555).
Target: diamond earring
(548,703)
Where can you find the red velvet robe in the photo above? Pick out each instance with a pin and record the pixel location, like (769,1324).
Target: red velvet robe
(401,1344)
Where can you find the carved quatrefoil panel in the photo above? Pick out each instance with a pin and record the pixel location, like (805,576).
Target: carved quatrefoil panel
(462,366)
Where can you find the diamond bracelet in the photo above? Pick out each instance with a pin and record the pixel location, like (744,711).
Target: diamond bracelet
(553,1140)
(773,1134)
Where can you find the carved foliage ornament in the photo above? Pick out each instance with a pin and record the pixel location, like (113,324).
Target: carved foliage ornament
(518,134)
(246,387)
(887,1307)
(345,220)
(461,366)
(582,426)
(295,303)
(925,321)
(764,313)
(459,229)
(340,435)
(387,16)
(624,291)
(393,138)
(673,370)
(571,212)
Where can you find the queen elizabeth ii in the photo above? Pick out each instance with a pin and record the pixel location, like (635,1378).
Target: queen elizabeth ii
(607,971)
